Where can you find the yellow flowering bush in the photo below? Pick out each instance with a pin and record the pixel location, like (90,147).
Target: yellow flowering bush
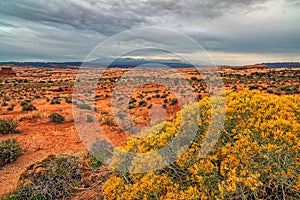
(257,155)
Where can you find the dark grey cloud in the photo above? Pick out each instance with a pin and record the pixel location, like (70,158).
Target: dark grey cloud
(109,17)
(71,28)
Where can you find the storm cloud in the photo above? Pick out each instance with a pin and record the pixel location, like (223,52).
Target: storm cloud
(68,30)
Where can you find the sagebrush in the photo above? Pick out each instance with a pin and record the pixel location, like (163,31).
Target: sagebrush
(256,156)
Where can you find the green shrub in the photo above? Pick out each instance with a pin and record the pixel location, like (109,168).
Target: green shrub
(164,95)
(100,151)
(25,102)
(89,118)
(131,106)
(270,91)
(28,107)
(174,101)
(142,103)
(68,100)
(94,162)
(10,150)
(253,87)
(55,101)
(285,87)
(11,107)
(132,101)
(56,117)
(6,99)
(84,106)
(8,126)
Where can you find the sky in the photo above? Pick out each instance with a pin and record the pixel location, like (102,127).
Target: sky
(233,32)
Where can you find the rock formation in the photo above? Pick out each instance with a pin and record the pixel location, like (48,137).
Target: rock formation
(7,71)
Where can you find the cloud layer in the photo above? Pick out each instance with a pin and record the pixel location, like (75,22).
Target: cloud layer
(69,30)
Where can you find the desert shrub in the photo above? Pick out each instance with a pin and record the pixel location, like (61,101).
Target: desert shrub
(56,117)
(270,91)
(140,96)
(10,150)
(164,96)
(28,107)
(84,106)
(132,101)
(25,102)
(234,88)
(142,103)
(286,87)
(100,151)
(24,118)
(94,162)
(108,120)
(8,126)
(11,107)
(131,106)
(253,87)
(52,178)
(89,118)
(256,156)
(200,96)
(277,92)
(6,99)
(55,101)
(174,101)
(68,100)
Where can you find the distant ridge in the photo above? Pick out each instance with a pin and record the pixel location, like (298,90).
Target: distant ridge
(43,64)
(283,65)
(130,62)
(104,62)
(256,66)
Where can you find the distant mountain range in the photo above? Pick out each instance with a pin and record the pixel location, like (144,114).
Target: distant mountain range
(43,64)
(104,62)
(283,65)
(130,62)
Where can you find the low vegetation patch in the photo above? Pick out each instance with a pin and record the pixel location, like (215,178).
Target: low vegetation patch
(52,178)
(56,117)
(28,107)
(8,126)
(256,156)
(84,106)
(89,118)
(10,150)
